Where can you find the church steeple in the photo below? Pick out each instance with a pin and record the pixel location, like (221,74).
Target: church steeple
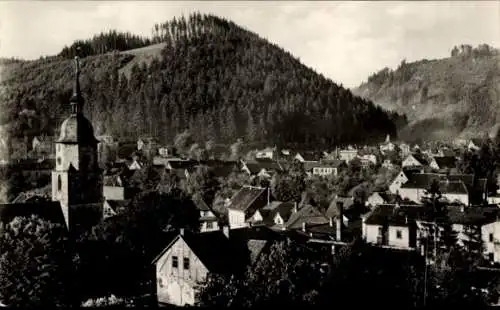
(76,100)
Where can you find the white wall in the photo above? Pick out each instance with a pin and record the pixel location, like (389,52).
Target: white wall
(403,241)
(236,218)
(410,161)
(371,232)
(177,286)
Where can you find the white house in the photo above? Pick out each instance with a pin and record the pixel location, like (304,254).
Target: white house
(392,225)
(244,204)
(387,146)
(398,181)
(348,154)
(413,160)
(268,153)
(185,262)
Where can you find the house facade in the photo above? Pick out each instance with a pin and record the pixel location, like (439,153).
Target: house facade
(398,181)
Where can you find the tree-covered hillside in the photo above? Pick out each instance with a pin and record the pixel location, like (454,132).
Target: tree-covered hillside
(459,95)
(212,77)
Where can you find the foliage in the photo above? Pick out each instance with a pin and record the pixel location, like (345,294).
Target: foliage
(36,264)
(138,234)
(289,186)
(227,82)
(203,182)
(108,301)
(288,274)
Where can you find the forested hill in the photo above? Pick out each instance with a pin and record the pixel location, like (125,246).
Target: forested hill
(443,98)
(210,76)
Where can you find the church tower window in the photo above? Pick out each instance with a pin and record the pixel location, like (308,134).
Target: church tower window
(59,182)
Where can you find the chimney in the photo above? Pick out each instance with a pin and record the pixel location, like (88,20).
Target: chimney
(406,219)
(268,195)
(303,226)
(331,221)
(462,208)
(295,207)
(340,217)
(181,231)
(225,230)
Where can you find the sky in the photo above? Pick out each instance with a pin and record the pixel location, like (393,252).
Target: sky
(344,41)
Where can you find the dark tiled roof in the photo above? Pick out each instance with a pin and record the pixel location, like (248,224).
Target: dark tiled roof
(347,203)
(87,215)
(50,211)
(200,203)
(243,199)
(445,162)
(311,156)
(215,251)
(395,215)
(182,164)
(268,164)
(112,180)
(421,158)
(308,215)
(453,187)
(331,163)
(424,180)
(478,215)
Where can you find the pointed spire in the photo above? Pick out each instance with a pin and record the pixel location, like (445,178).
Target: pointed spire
(76,99)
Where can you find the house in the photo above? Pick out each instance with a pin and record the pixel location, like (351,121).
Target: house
(453,187)
(245,203)
(367,160)
(405,149)
(208,220)
(377,198)
(414,160)
(312,223)
(324,168)
(186,261)
(134,164)
(165,151)
(443,163)
(387,164)
(114,207)
(387,146)
(274,215)
(312,157)
(486,219)
(474,144)
(392,225)
(188,258)
(262,168)
(43,145)
(267,153)
(348,154)
(398,181)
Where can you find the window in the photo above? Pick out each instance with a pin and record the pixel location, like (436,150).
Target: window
(491,257)
(210,225)
(58,160)
(380,231)
(59,182)
(491,237)
(175,262)
(399,234)
(186,262)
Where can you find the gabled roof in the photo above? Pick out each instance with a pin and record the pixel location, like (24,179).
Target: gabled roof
(347,203)
(112,180)
(421,158)
(444,162)
(423,180)
(453,187)
(200,204)
(243,199)
(50,211)
(308,215)
(394,215)
(284,209)
(311,155)
(217,252)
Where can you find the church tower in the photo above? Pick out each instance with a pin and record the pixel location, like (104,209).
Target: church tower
(77,179)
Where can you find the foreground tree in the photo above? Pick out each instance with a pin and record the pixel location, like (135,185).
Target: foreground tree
(36,264)
(288,274)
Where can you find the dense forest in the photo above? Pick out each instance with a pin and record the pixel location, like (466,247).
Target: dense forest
(449,97)
(212,77)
